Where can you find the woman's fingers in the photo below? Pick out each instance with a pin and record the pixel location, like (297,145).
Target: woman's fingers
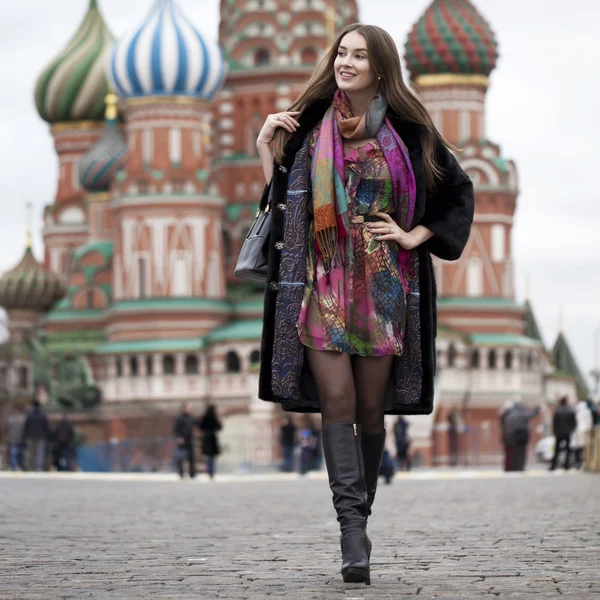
(385,216)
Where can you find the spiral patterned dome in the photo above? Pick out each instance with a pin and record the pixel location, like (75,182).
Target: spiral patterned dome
(99,165)
(451,37)
(28,286)
(72,87)
(166,56)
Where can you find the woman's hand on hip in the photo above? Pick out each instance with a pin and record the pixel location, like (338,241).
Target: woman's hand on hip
(388,229)
(286,119)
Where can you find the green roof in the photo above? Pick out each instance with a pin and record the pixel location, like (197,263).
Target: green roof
(532,328)
(75,315)
(167,304)
(564,361)
(75,342)
(503,339)
(105,248)
(142,346)
(237,330)
(478,302)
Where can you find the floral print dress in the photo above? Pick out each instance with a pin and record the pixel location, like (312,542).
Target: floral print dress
(362,313)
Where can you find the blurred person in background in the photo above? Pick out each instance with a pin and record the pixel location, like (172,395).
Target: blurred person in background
(504,411)
(563,425)
(517,434)
(13,434)
(402,443)
(36,433)
(183,431)
(308,444)
(584,423)
(209,425)
(63,447)
(288,444)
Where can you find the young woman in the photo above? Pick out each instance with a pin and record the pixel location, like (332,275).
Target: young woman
(362,188)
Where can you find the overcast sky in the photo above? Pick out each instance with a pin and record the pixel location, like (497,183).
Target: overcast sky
(542,109)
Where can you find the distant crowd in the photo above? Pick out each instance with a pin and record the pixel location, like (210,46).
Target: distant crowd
(301,450)
(32,441)
(570,428)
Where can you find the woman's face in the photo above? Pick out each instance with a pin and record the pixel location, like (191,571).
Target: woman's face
(352,68)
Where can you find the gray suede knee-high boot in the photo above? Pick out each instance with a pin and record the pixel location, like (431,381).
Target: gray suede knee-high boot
(343,456)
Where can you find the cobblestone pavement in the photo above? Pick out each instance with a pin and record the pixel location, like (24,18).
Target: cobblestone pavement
(451,538)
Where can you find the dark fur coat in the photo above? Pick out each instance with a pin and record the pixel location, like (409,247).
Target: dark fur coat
(447,211)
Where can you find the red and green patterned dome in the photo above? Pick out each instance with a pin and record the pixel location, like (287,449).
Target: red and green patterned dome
(451,37)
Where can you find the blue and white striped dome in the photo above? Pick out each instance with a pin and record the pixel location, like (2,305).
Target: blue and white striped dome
(166,56)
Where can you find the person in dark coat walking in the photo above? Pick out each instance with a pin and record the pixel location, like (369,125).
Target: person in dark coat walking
(402,443)
(36,433)
(183,431)
(508,405)
(517,434)
(209,425)
(64,439)
(564,424)
(338,245)
(288,444)
(13,436)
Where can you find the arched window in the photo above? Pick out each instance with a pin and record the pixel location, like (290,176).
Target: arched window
(191,364)
(262,57)
(452,353)
(227,246)
(254,357)
(475,358)
(149,365)
(492,359)
(133,366)
(119,365)
(168,364)
(508,360)
(308,56)
(232,362)
(22,377)
(529,361)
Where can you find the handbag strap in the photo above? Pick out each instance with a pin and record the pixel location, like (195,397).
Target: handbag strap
(265,200)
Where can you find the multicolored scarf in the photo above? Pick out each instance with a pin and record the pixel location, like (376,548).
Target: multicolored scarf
(330,200)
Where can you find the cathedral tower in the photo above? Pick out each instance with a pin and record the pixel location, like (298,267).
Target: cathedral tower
(450,53)
(272,47)
(69,95)
(168,215)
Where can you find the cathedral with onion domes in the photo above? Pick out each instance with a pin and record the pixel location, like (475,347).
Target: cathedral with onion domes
(158,183)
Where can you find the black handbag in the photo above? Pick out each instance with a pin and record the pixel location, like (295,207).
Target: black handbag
(254,255)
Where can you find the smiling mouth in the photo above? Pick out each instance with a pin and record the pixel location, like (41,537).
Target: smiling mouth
(347,75)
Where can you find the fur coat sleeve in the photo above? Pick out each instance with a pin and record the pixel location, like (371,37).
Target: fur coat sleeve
(449,208)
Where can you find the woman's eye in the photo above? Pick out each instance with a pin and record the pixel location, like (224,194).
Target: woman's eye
(360,56)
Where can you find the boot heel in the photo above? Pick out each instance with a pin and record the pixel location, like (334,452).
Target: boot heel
(355,575)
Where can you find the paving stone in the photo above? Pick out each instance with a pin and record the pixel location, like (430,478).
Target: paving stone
(448,539)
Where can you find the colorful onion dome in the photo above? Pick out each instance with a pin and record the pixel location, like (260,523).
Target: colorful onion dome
(29,286)
(166,56)
(99,165)
(72,87)
(451,37)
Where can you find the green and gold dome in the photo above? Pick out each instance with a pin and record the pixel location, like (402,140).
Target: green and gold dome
(29,286)
(451,38)
(73,86)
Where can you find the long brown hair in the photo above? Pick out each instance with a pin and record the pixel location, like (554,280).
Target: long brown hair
(385,63)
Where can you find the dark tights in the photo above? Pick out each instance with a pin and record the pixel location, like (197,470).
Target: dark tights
(351,388)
